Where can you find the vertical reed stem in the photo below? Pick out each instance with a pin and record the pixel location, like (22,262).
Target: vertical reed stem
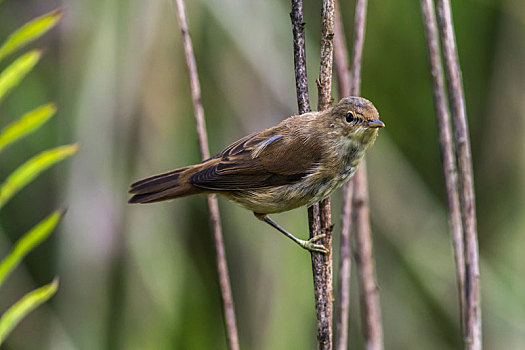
(447,149)
(319,215)
(322,263)
(215,220)
(368,290)
(342,312)
(456,97)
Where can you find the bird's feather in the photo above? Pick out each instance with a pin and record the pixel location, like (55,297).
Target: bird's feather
(257,162)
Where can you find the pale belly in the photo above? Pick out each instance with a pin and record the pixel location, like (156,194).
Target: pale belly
(308,191)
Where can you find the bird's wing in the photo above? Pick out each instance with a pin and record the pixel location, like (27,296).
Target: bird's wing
(258,161)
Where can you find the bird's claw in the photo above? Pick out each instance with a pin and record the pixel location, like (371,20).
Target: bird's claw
(311,246)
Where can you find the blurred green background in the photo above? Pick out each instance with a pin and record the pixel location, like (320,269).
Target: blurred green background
(143,277)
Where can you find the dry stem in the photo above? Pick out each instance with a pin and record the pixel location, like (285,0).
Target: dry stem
(324,83)
(369,295)
(359,40)
(343,292)
(215,221)
(368,290)
(447,151)
(466,182)
(322,263)
(319,215)
(299,55)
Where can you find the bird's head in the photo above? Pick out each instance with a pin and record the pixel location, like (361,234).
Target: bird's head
(355,118)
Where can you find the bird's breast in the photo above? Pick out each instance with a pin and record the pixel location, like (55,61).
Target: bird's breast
(341,168)
(325,178)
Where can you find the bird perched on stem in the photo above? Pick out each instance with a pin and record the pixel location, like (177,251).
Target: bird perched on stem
(298,162)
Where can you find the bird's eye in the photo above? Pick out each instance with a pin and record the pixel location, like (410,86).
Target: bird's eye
(349,117)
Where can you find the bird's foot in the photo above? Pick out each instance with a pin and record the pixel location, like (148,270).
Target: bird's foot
(311,246)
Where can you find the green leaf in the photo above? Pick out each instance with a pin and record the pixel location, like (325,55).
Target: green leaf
(28,242)
(26,172)
(24,306)
(29,32)
(17,70)
(26,124)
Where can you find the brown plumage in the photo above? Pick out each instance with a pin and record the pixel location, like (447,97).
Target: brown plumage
(297,162)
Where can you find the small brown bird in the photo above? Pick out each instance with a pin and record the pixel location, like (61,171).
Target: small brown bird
(295,163)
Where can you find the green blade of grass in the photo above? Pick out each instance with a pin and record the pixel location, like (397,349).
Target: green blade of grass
(26,172)
(26,124)
(28,242)
(17,70)
(24,306)
(29,32)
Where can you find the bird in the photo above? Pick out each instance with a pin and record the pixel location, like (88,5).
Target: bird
(296,163)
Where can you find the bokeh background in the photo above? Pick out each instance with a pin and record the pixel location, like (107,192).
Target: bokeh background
(143,277)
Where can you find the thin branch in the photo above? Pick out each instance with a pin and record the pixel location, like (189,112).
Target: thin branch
(299,55)
(324,83)
(319,216)
(466,182)
(322,263)
(368,290)
(194,80)
(343,301)
(343,293)
(349,84)
(359,40)
(215,221)
(341,59)
(322,274)
(446,147)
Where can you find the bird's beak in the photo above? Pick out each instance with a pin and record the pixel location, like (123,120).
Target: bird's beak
(375,123)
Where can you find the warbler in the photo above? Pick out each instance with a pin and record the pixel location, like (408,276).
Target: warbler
(298,162)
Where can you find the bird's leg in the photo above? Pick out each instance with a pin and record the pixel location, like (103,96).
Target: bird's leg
(308,245)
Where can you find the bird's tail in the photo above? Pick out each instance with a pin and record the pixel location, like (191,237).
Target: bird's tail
(172,184)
